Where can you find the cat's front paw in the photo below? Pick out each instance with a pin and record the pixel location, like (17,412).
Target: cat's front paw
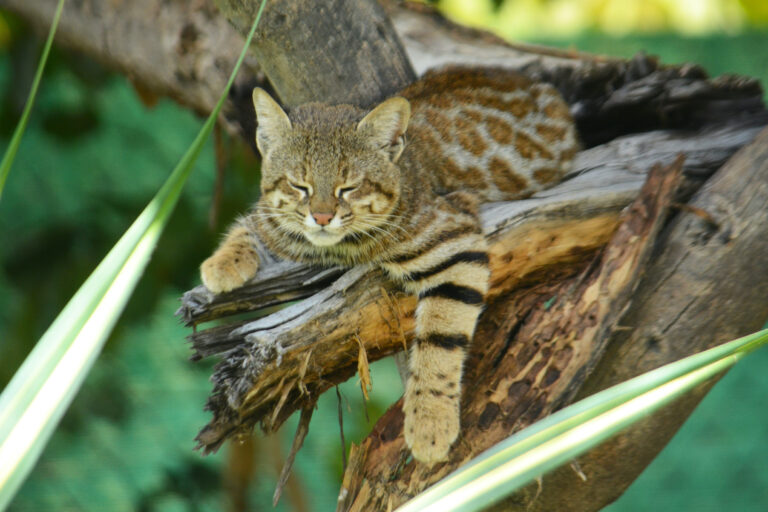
(227,270)
(431,425)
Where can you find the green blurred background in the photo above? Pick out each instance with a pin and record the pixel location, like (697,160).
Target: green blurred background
(94,155)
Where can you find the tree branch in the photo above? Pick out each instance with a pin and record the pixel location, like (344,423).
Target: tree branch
(185,50)
(274,365)
(359,42)
(705,286)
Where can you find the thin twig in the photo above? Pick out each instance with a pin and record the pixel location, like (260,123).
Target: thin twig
(298,440)
(341,432)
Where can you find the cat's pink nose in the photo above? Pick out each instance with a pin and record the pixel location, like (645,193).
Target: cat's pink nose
(322,219)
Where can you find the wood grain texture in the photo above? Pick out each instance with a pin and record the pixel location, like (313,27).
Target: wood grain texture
(706,286)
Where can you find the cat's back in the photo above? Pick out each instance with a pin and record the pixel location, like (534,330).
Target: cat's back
(489,130)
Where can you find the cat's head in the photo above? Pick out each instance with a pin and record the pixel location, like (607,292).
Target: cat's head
(328,172)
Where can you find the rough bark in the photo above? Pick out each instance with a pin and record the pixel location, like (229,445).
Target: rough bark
(359,41)
(706,286)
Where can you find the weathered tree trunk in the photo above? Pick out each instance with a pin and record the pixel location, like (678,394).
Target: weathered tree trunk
(557,299)
(359,41)
(567,314)
(553,306)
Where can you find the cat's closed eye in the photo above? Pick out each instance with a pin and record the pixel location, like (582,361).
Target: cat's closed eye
(341,191)
(305,190)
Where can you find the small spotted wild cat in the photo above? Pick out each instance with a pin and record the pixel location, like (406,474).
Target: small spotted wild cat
(399,187)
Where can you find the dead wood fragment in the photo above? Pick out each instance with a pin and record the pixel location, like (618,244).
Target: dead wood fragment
(362,369)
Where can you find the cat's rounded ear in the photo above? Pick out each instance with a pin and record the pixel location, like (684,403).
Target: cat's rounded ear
(385,125)
(273,122)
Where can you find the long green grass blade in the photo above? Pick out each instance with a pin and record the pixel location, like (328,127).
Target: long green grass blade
(13,146)
(44,386)
(565,434)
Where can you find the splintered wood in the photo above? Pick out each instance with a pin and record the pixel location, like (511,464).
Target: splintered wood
(362,368)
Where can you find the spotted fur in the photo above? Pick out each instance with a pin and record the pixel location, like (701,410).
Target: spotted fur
(399,187)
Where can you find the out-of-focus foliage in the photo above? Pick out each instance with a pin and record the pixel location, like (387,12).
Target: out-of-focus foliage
(756,11)
(525,19)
